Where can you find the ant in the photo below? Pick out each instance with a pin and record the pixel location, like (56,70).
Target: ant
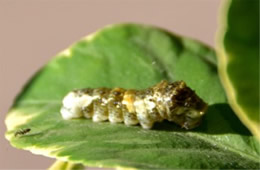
(22,132)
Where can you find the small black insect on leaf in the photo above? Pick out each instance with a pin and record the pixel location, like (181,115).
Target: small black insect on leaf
(22,132)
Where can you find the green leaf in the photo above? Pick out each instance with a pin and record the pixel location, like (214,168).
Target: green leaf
(238,49)
(131,56)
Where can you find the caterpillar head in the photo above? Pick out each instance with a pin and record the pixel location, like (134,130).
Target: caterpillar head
(189,108)
(182,105)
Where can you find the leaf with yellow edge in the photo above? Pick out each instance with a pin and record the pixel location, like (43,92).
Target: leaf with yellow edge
(61,165)
(131,56)
(238,55)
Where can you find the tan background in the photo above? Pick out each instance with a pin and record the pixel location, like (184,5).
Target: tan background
(32,31)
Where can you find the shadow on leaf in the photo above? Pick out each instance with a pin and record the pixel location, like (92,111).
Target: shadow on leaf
(219,119)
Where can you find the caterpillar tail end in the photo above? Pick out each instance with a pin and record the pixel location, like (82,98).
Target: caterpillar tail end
(70,108)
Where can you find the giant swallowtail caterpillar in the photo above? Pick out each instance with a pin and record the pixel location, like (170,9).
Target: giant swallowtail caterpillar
(174,102)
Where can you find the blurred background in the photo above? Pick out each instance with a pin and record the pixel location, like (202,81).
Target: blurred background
(32,32)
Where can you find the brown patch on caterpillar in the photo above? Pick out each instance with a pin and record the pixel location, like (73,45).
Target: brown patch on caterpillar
(100,109)
(171,101)
(115,105)
(159,90)
(128,100)
(87,109)
(151,105)
(128,108)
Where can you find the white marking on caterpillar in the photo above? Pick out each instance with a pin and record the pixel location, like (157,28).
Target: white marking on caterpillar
(171,101)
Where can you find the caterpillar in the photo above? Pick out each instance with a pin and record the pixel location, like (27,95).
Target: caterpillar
(174,102)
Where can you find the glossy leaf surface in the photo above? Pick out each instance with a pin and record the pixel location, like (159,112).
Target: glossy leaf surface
(238,54)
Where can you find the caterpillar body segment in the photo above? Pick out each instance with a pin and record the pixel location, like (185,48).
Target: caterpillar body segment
(174,102)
